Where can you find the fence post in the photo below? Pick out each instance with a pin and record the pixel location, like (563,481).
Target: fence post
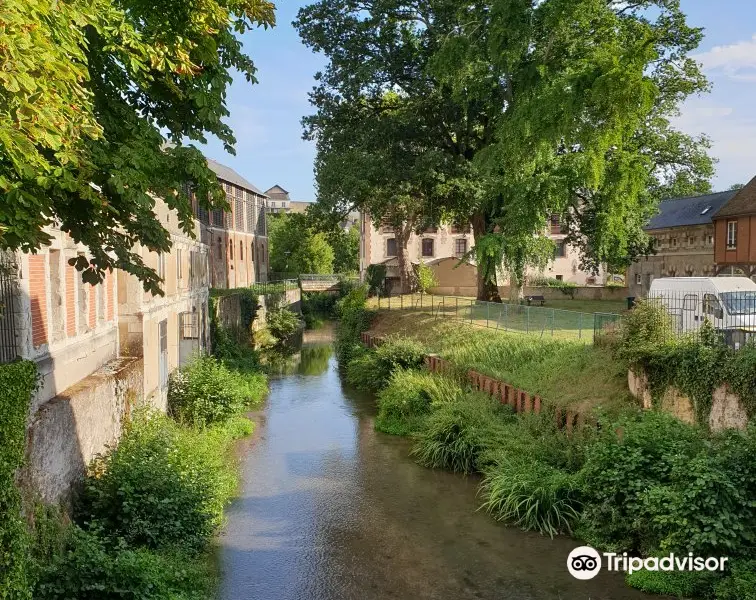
(472,302)
(527,321)
(401,302)
(506,315)
(553,317)
(488,310)
(580,327)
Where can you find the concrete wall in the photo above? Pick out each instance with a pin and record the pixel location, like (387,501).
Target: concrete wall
(578,293)
(455,279)
(66,433)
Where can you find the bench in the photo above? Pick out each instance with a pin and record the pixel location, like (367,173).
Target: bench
(532,299)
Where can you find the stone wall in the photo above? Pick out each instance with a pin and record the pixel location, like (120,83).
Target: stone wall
(727,410)
(578,293)
(67,432)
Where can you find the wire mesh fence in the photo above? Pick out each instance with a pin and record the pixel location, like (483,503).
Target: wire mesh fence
(531,320)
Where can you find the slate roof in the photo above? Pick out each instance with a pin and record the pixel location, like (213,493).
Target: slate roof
(695,210)
(228,174)
(744,202)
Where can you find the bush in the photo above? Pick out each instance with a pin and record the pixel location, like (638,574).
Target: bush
(353,320)
(426,278)
(458,434)
(375,278)
(646,328)
(282,323)
(206,391)
(681,584)
(88,569)
(162,485)
(409,396)
(740,584)
(371,371)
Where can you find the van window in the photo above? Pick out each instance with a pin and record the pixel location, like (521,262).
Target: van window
(690,301)
(711,304)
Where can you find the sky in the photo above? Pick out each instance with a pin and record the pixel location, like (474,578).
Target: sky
(266,117)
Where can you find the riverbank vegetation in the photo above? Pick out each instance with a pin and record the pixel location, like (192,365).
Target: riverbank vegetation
(143,523)
(634,481)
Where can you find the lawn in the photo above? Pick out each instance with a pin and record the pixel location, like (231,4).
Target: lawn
(565,373)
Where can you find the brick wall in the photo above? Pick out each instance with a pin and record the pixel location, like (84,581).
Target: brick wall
(109,287)
(70,301)
(92,320)
(38,298)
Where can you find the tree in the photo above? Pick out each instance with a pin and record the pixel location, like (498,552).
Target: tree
(345,244)
(736,186)
(295,247)
(541,106)
(92,91)
(426,278)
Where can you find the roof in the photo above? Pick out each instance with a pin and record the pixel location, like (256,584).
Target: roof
(744,202)
(228,174)
(694,210)
(278,193)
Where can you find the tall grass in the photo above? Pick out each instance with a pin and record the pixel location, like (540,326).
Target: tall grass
(371,370)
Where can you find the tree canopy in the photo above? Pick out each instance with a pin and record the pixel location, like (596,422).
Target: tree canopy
(295,246)
(532,107)
(97,100)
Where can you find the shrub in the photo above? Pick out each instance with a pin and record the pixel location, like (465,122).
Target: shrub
(620,468)
(88,569)
(163,484)
(646,328)
(531,494)
(740,584)
(681,584)
(353,320)
(282,323)
(375,278)
(426,278)
(458,434)
(371,371)
(206,391)
(409,396)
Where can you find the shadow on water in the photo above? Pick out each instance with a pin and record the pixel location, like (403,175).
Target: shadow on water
(331,509)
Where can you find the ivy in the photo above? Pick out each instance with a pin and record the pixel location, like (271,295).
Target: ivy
(18,380)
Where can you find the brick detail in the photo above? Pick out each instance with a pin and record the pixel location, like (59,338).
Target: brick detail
(92,320)
(38,299)
(108,283)
(70,301)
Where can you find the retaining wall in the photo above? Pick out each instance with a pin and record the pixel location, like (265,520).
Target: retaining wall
(578,293)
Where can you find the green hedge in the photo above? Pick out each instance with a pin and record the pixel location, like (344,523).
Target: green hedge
(18,381)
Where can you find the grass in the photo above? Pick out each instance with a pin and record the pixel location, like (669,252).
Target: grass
(567,374)
(560,319)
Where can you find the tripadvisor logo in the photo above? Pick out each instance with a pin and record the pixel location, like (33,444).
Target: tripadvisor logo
(585,562)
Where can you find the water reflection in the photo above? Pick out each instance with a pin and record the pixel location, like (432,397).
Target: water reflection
(306,354)
(332,509)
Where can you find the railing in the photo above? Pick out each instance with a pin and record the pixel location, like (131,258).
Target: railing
(8,291)
(264,288)
(530,320)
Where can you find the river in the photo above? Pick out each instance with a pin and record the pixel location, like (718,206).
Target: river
(332,509)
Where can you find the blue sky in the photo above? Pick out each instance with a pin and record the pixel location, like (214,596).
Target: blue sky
(266,117)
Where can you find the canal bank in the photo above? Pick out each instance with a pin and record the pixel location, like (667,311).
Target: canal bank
(330,508)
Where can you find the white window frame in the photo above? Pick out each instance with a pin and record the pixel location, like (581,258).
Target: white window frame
(732,235)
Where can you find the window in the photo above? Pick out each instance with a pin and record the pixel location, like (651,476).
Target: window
(163,353)
(239,210)
(691,240)
(391,247)
(560,250)
(710,240)
(460,246)
(179,265)
(560,277)
(690,301)
(189,325)
(638,279)
(711,305)
(673,242)
(732,235)
(427,247)
(241,251)
(161,265)
(231,249)
(217,218)
(252,252)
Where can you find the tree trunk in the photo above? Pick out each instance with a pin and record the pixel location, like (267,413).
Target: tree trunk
(488,289)
(515,290)
(403,234)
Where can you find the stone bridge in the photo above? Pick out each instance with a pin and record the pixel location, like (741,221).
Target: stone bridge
(321,283)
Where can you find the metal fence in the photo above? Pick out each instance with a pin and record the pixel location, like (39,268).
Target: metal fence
(8,290)
(274,287)
(531,320)
(726,310)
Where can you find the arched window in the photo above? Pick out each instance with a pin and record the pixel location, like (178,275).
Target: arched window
(241,251)
(231,249)
(252,252)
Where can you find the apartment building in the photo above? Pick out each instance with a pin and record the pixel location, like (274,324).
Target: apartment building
(378,245)
(683,233)
(237,238)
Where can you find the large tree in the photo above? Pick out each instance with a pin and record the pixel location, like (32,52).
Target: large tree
(296,247)
(542,104)
(97,98)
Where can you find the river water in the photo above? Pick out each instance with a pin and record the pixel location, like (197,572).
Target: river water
(332,509)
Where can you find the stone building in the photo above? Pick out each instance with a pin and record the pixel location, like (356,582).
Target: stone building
(683,234)
(237,238)
(735,234)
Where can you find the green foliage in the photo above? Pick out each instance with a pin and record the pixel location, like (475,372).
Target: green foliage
(206,391)
(681,584)
(456,436)
(18,381)
(345,244)
(354,318)
(375,279)
(92,91)
(426,278)
(645,328)
(567,287)
(163,485)
(295,247)
(409,396)
(740,584)
(371,371)
(283,323)
(317,307)
(89,568)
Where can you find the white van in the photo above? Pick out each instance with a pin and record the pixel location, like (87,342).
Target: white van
(729,303)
